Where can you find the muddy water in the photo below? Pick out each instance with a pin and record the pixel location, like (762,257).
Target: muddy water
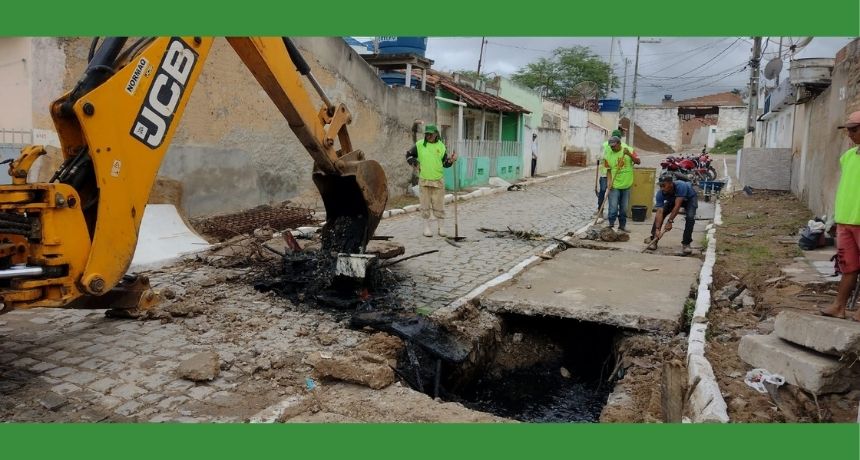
(538,394)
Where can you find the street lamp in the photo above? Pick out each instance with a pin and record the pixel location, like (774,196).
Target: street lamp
(631,133)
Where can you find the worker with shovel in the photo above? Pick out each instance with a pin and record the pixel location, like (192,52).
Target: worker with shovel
(619,159)
(672,196)
(429,156)
(601,185)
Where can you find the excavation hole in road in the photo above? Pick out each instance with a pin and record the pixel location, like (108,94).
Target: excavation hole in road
(536,370)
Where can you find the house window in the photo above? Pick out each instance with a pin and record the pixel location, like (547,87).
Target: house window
(491,130)
(469,128)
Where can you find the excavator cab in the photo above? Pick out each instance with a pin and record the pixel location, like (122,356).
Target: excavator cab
(70,241)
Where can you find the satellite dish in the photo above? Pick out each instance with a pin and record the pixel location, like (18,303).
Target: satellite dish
(585,91)
(773,68)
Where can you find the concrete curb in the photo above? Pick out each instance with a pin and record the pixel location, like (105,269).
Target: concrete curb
(482,191)
(706,401)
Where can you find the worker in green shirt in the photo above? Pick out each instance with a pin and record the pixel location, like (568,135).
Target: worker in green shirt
(429,156)
(847,219)
(619,159)
(602,169)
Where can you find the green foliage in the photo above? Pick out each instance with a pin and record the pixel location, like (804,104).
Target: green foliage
(731,144)
(424,311)
(689,308)
(567,67)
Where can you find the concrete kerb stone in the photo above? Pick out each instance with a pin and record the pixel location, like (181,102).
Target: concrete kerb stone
(706,401)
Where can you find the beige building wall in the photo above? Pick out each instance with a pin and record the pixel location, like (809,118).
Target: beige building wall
(233,149)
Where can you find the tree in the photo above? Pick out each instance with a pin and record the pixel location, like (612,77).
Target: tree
(557,76)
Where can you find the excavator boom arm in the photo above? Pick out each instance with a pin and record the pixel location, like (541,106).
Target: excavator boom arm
(81,228)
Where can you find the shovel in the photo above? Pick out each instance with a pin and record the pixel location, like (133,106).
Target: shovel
(653,244)
(456,236)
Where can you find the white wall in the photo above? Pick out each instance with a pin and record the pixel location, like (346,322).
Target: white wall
(776,131)
(661,123)
(551,153)
(588,131)
(562,113)
(16,111)
(730,119)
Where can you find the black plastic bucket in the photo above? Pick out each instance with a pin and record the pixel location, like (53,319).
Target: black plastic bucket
(639,213)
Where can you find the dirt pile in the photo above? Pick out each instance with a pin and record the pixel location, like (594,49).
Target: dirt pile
(757,238)
(645,142)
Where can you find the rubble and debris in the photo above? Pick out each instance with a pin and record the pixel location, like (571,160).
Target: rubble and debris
(520,234)
(201,367)
(385,249)
(729,293)
(363,368)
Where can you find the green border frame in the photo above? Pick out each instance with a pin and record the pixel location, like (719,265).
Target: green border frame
(438,441)
(437,18)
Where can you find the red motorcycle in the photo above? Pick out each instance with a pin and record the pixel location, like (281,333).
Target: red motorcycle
(689,168)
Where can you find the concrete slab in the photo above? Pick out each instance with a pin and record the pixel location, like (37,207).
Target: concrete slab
(832,336)
(814,372)
(163,238)
(625,289)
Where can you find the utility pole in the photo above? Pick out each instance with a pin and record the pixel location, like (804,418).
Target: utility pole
(609,80)
(480,57)
(630,134)
(780,58)
(755,61)
(624,89)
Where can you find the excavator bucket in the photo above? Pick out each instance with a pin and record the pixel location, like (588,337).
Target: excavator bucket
(354,203)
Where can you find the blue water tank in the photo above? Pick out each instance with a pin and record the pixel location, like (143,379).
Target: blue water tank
(399,79)
(609,105)
(403,45)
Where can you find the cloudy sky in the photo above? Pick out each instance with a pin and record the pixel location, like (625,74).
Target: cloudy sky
(683,67)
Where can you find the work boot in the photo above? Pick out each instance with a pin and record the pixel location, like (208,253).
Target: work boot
(649,239)
(623,229)
(439,230)
(427,231)
(685,248)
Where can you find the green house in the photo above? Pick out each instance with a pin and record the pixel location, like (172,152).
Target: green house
(492,133)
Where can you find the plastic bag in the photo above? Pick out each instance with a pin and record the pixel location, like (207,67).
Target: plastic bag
(756,379)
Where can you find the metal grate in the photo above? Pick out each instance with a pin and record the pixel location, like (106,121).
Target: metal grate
(278,217)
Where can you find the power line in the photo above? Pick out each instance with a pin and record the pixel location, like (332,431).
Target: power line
(652,77)
(685,53)
(709,60)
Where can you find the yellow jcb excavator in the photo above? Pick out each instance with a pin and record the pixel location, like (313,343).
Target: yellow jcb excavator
(69,242)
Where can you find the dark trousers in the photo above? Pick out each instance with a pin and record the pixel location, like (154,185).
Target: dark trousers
(690,205)
(601,194)
(534,166)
